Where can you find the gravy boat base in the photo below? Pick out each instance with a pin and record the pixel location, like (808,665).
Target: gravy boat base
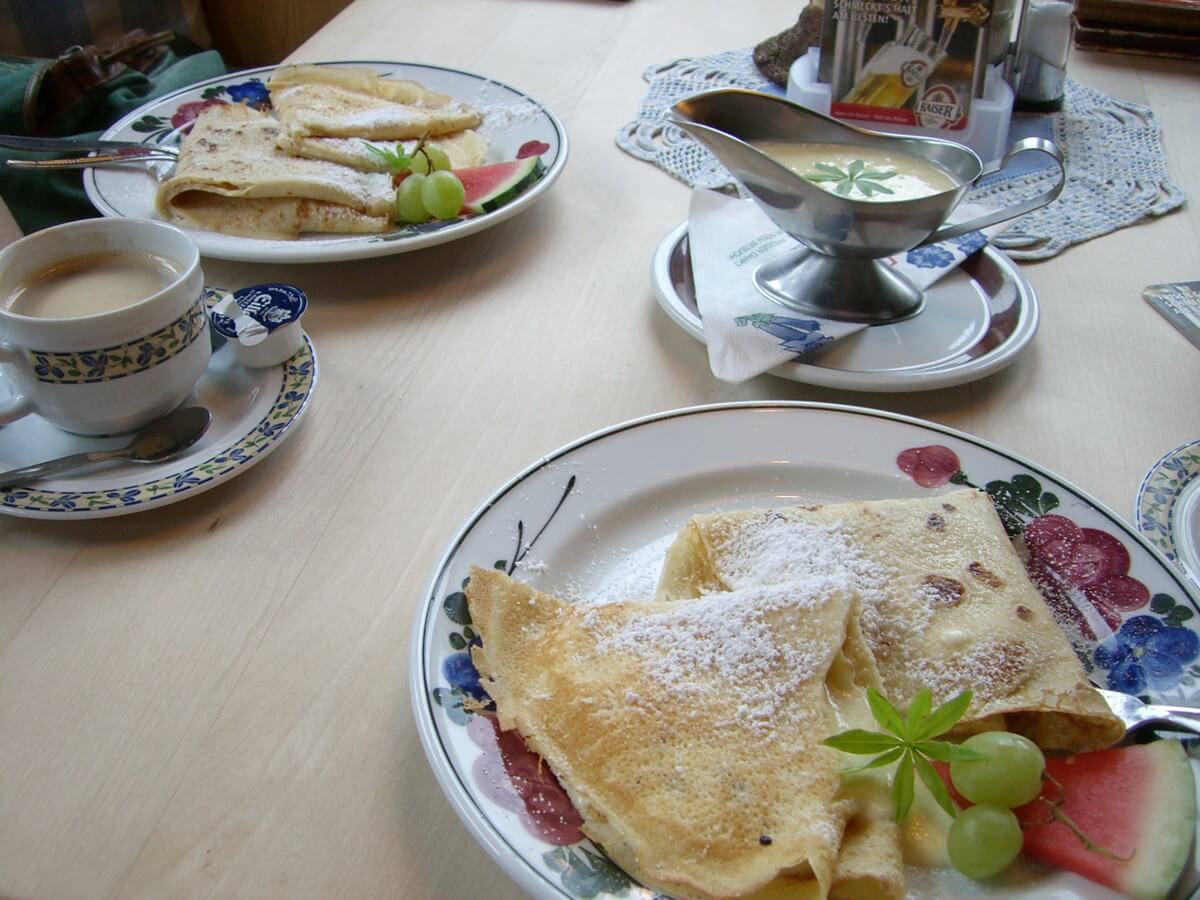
(831,287)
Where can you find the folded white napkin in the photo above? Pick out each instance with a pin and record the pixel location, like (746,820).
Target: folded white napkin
(747,334)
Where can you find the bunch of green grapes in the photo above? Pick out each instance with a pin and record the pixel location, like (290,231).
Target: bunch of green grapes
(432,190)
(985,838)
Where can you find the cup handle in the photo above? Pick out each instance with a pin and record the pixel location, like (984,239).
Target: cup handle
(16,406)
(1026,145)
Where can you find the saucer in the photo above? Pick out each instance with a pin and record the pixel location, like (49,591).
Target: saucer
(976,320)
(253,412)
(1167,511)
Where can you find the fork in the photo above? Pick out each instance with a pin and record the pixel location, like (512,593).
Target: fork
(87,162)
(1136,713)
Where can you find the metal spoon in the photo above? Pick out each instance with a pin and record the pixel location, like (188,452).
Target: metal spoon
(1135,713)
(158,441)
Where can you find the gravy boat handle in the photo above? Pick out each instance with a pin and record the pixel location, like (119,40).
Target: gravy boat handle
(1026,145)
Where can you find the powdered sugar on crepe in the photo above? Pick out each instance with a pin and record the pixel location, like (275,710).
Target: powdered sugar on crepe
(722,643)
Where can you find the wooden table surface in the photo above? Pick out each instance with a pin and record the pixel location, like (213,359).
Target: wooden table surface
(211,699)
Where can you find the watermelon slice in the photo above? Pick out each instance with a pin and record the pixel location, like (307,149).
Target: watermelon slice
(1138,802)
(490,187)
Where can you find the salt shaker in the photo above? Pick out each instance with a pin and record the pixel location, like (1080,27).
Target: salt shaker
(1047,29)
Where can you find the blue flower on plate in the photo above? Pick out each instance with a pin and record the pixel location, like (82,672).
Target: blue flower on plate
(970,242)
(253,93)
(125,497)
(930,257)
(1147,652)
(797,336)
(460,672)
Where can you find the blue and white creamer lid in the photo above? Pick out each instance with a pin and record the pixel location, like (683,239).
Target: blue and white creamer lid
(271,306)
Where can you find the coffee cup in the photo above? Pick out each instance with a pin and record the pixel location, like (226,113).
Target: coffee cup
(103,325)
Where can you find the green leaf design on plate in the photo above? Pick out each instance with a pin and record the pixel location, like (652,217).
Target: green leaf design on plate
(451,702)
(148,123)
(1161,603)
(587,873)
(456,608)
(1178,616)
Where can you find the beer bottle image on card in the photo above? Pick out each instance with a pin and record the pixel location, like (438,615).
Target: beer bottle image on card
(905,62)
(896,70)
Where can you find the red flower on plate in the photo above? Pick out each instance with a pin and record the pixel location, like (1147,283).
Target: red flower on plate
(187,112)
(1064,557)
(516,778)
(930,466)
(532,148)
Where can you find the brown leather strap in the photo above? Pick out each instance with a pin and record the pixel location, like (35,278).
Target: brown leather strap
(61,83)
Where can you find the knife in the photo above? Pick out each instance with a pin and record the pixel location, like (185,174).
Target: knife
(77,146)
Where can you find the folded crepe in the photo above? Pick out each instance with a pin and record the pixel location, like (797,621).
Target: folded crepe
(464,149)
(320,109)
(688,735)
(946,604)
(231,177)
(355,78)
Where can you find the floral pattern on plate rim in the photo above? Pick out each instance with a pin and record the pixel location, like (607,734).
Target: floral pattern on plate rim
(1125,637)
(1158,493)
(1081,572)
(296,382)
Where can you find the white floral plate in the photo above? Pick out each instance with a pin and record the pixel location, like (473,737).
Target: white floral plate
(253,412)
(1168,507)
(572,521)
(511,119)
(976,321)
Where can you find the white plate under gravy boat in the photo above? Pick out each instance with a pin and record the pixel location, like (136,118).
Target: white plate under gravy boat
(511,119)
(1167,511)
(583,518)
(976,320)
(253,412)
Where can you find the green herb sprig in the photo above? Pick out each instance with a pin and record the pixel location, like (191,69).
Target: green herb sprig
(396,159)
(910,745)
(856,175)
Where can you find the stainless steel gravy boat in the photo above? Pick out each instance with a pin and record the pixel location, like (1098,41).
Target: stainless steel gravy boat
(839,272)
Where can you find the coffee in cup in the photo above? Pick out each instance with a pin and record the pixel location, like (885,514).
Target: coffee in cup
(91,284)
(103,324)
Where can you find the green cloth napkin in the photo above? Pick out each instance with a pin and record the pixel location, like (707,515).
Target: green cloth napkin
(41,199)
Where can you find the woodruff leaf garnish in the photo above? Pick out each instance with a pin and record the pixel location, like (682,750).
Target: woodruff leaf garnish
(856,175)
(909,745)
(397,159)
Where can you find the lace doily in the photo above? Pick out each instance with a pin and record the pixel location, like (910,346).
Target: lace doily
(1116,170)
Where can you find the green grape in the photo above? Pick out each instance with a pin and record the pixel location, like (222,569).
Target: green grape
(443,194)
(1010,773)
(419,162)
(984,840)
(410,206)
(438,157)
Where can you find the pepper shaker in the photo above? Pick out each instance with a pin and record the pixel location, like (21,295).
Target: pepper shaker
(1043,47)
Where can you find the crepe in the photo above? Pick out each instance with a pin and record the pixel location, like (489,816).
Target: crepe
(354,78)
(946,604)
(231,177)
(688,734)
(464,149)
(320,109)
